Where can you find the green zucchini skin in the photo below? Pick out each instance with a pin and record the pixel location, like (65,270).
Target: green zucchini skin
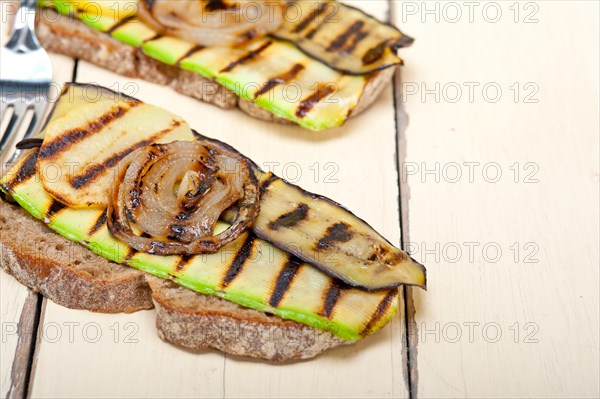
(271,72)
(249,271)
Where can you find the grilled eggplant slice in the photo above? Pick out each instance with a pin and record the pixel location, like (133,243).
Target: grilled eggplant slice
(271,72)
(343,37)
(325,234)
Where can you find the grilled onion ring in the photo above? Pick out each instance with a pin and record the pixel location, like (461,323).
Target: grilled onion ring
(175,193)
(213,23)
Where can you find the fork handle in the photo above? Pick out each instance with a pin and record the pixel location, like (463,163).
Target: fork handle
(23,34)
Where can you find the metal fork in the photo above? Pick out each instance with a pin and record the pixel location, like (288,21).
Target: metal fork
(25,79)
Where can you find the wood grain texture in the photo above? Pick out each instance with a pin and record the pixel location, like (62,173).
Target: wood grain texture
(550,209)
(354,165)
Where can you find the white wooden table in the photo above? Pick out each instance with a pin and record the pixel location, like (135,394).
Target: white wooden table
(483,156)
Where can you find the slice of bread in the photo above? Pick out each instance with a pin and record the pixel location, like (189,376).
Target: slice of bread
(64,271)
(73,276)
(69,36)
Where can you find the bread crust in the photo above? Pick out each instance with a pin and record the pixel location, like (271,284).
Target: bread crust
(73,276)
(64,271)
(69,36)
(197,322)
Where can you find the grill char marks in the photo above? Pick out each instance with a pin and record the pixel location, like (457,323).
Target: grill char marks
(265,185)
(240,259)
(55,208)
(120,24)
(183,262)
(247,57)
(130,254)
(311,33)
(375,53)
(339,232)
(290,219)
(310,18)
(383,306)
(331,297)
(354,31)
(67,139)
(360,36)
(155,37)
(284,280)
(25,172)
(96,170)
(308,103)
(197,48)
(280,79)
(101,221)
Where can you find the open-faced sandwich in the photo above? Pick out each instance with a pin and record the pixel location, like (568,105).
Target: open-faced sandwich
(131,186)
(312,63)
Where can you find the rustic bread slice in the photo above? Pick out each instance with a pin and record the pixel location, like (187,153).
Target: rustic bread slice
(70,36)
(64,271)
(75,277)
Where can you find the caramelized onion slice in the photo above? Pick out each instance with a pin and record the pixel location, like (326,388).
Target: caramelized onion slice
(213,23)
(167,198)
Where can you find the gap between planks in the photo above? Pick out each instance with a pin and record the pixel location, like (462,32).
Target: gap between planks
(27,336)
(409,349)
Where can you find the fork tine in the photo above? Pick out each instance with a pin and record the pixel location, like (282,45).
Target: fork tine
(39,116)
(20,109)
(4,119)
(35,125)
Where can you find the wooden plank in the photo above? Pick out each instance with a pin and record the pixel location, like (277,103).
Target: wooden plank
(342,373)
(83,354)
(18,304)
(523,323)
(323,162)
